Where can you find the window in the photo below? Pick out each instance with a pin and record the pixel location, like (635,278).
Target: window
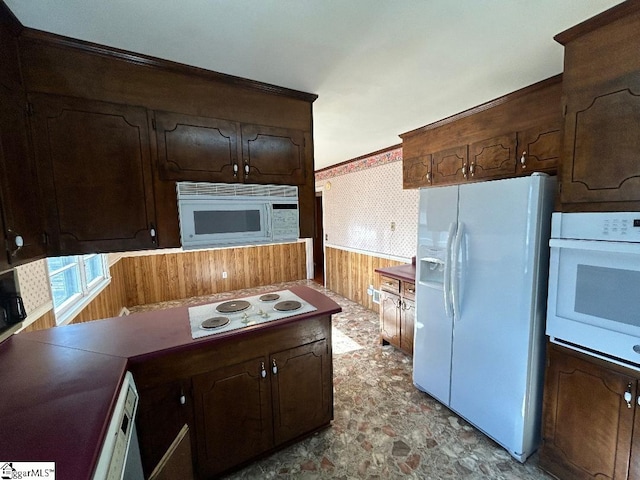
(75,280)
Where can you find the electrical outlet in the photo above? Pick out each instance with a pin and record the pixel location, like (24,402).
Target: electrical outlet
(224,274)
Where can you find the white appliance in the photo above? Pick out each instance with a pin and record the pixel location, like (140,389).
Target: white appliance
(119,457)
(233,314)
(226,214)
(594,285)
(480,304)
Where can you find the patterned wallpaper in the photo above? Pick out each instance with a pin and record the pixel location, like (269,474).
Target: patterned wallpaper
(33,279)
(366,209)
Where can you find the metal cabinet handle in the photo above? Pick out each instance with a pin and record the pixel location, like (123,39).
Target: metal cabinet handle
(235,169)
(263,371)
(246,169)
(464,170)
(399,304)
(627,396)
(18,241)
(274,367)
(523,160)
(183,398)
(429,177)
(152,232)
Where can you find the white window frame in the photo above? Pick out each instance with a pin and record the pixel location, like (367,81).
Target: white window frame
(72,306)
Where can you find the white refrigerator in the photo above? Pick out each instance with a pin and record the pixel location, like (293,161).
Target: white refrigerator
(482,273)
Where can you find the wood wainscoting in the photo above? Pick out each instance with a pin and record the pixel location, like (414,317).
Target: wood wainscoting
(350,274)
(158,278)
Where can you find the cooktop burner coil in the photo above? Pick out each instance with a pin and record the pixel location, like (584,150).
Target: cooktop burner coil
(233,306)
(287,306)
(214,322)
(269,297)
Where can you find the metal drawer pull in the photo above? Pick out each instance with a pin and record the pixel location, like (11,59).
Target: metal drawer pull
(274,368)
(263,371)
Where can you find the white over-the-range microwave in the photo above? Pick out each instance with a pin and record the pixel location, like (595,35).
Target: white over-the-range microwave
(226,214)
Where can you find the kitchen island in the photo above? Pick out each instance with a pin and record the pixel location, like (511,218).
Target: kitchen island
(242,393)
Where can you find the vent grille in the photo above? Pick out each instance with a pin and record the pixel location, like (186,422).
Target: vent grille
(191,189)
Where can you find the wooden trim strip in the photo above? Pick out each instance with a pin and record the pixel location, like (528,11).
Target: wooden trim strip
(616,12)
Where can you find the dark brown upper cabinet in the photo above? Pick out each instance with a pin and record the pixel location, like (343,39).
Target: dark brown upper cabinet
(94,169)
(517,134)
(21,227)
(192,148)
(196,148)
(539,148)
(492,158)
(450,165)
(601,89)
(273,155)
(416,171)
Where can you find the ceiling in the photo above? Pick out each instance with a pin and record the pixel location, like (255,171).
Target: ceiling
(380,68)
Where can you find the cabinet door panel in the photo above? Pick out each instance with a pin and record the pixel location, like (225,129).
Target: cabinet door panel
(302,390)
(196,148)
(450,165)
(587,424)
(273,155)
(601,147)
(416,172)
(539,149)
(233,415)
(390,318)
(94,165)
(20,196)
(407,325)
(493,157)
(161,416)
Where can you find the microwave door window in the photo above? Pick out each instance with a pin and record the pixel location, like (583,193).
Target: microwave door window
(599,288)
(222,222)
(610,293)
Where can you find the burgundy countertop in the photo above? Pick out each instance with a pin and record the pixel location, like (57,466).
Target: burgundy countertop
(406,273)
(59,385)
(56,404)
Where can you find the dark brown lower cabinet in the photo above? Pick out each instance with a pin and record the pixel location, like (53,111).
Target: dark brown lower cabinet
(233,415)
(589,411)
(397,313)
(162,412)
(241,398)
(248,408)
(390,305)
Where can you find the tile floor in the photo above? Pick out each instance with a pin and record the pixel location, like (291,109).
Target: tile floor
(383,427)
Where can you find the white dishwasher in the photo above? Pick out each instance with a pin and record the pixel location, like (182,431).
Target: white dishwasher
(120,454)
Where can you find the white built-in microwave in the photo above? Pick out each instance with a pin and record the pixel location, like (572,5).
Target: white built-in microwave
(594,284)
(224,214)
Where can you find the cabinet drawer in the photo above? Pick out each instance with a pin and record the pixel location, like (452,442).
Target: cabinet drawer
(409,290)
(388,284)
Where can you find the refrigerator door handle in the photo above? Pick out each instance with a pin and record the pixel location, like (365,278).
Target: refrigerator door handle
(456,271)
(448,308)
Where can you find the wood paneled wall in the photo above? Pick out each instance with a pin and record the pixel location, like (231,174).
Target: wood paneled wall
(350,274)
(47,320)
(158,278)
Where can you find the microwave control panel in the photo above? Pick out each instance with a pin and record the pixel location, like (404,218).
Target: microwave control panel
(609,226)
(285,221)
